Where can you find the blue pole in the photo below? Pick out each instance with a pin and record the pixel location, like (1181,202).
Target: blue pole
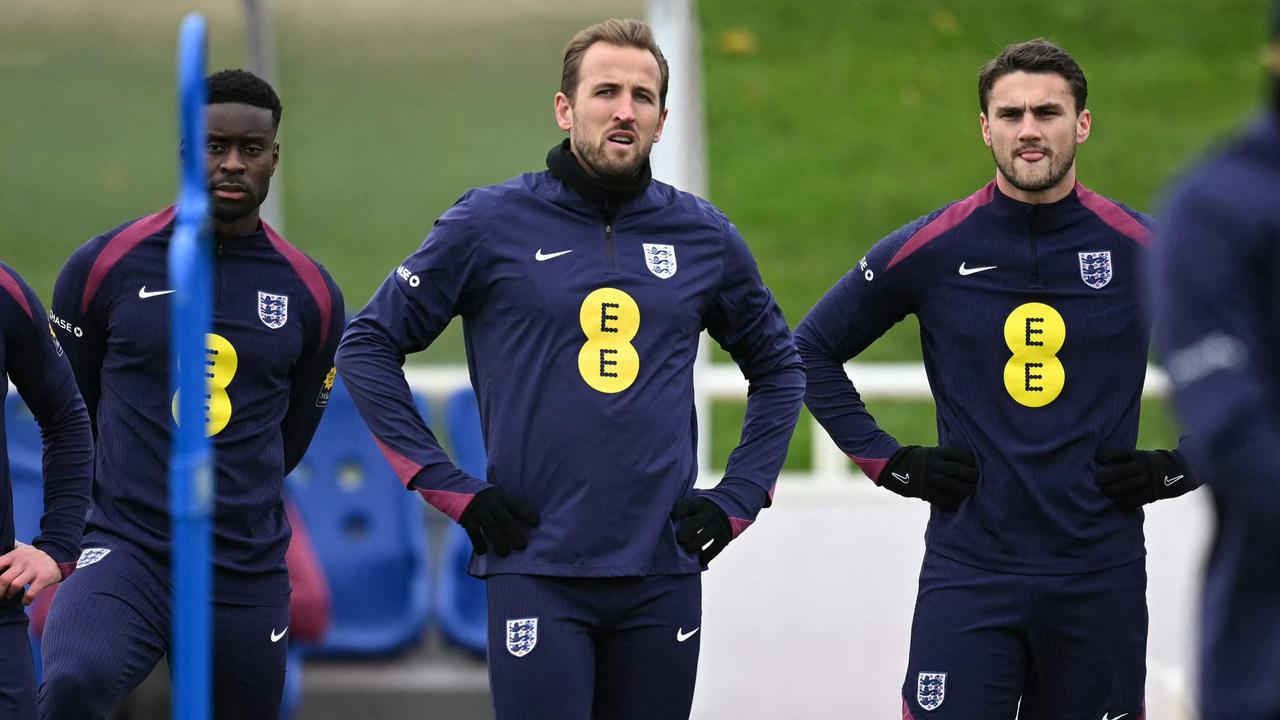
(191,461)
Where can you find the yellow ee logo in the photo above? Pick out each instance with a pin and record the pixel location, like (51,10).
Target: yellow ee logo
(610,319)
(220,368)
(1034,333)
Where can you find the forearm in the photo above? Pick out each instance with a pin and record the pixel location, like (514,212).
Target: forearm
(834,401)
(68,468)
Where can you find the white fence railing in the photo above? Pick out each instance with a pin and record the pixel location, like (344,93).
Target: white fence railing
(723,381)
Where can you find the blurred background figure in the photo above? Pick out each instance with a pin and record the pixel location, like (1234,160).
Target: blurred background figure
(1216,291)
(32,359)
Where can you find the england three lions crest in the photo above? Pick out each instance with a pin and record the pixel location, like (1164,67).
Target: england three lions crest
(931,690)
(661,259)
(273,310)
(522,636)
(1095,269)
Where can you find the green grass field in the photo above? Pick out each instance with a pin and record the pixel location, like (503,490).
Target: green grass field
(844,121)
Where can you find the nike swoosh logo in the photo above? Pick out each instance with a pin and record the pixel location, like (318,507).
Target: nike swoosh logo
(1107,716)
(540,257)
(681,635)
(903,478)
(275,637)
(142,293)
(1167,482)
(969,271)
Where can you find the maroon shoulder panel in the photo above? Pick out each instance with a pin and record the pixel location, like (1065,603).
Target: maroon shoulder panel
(10,283)
(119,246)
(1114,215)
(949,218)
(311,277)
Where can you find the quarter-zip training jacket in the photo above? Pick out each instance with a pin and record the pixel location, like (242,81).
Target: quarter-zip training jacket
(581,323)
(1035,346)
(276,323)
(33,360)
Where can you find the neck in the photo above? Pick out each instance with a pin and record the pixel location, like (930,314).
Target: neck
(1039,197)
(565,166)
(246,225)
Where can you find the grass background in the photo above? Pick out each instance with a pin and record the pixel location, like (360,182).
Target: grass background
(829,123)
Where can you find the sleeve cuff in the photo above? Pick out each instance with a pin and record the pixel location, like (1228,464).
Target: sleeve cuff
(54,551)
(741,500)
(447,488)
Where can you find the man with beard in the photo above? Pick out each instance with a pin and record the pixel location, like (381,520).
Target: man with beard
(1032,591)
(1216,299)
(583,290)
(277,321)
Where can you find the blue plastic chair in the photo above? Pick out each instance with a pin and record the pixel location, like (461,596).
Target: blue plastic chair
(368,533)
(460,599)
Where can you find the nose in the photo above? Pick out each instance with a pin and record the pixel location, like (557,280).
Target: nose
(232,162)
(625,111)
(1029,129)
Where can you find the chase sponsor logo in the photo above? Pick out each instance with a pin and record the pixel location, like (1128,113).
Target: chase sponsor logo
(931,689)
(1212,353)
(59,322)
(89,556)
(404,274)
(522,636)
(867,274)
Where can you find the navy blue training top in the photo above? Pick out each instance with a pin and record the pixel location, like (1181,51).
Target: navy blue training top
(277,321)
(1216,288)
(1035,346)
(33,360)
(582,325)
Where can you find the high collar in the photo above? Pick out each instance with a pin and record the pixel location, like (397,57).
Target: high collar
(1027,218)
(258,235)
(565,168)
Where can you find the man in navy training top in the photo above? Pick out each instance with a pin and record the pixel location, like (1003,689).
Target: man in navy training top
(1216,286)
(277,320)
(33,361)
(583,290)
(1032,590)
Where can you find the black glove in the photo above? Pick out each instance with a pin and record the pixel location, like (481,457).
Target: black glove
(701,521)
(943,476)
(495,518)
(1133,478)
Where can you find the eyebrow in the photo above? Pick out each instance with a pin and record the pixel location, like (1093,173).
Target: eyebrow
(615,85)
(247,136)
(1001,109)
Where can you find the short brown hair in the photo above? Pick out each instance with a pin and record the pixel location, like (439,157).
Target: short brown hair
(623,33)
(1033,56)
